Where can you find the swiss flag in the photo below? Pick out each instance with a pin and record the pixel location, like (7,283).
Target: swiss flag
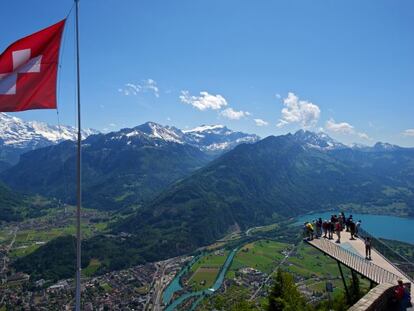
(28,71)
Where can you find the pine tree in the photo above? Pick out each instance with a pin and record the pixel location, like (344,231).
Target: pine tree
(285,295)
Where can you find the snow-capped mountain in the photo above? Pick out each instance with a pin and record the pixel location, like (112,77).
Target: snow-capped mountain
(322,141)
(150,134)
(18,136)
(217,138)
(212,139)
(166,133)
(380,146)
(34,134)
(318,140)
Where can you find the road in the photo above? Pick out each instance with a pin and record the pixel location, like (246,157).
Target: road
(159,285)
(250,229)
(152,286)
(6,258)
(270,275)
(8,249)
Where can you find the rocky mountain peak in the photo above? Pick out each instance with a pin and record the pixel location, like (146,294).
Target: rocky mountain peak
(18,136)
(319,140)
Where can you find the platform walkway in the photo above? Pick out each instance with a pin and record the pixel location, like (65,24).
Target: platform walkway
(351,253)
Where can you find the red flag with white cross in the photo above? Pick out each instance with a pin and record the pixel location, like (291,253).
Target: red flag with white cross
(28,71)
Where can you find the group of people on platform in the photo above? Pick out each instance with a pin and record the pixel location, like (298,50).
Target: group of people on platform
(319,228)
(335,225)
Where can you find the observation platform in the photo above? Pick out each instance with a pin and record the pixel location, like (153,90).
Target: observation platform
(351,253)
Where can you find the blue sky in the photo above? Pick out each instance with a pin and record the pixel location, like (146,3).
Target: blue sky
(265,67)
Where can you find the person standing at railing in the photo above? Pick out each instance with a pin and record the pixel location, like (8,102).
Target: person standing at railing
(325,227)
(352,227)
(315,229)
(331,229)
(357,226)
(348,223)
(338,229)
(368,242)
(318,224)
(342,219)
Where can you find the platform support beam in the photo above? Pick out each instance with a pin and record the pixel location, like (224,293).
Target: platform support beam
(344,281)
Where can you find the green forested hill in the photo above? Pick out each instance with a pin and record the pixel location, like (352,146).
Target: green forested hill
(119,169)
(11,204)
(252,185)
(277,176)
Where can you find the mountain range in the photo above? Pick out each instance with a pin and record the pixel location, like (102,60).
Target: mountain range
(123,168)
(211,139)
(253,184)
(18,136)
(215,139)
(276,177)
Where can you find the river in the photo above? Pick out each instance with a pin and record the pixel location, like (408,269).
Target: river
(175,285)
(389,227)
(172,288)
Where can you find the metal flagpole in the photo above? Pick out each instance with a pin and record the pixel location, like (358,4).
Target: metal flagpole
(79,189)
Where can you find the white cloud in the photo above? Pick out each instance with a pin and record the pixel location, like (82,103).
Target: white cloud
(408,132)
(204,101)
(232,114)
(344,128)
(151,85)
(299,111)
(364,136)
(260,122)
(112,124)
(145,86)
(278,96)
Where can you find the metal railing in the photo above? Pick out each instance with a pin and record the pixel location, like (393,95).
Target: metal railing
(356,262)
(400,262)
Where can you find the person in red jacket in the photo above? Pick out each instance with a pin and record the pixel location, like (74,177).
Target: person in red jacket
(402,296)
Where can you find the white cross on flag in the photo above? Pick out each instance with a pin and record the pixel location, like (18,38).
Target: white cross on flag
(28,71)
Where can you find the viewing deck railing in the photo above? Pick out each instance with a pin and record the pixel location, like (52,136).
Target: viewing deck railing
(355,262)
(400,262)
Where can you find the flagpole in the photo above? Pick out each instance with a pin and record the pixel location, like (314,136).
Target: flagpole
(78,166)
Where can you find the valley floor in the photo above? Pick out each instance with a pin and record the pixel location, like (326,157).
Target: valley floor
(236,268)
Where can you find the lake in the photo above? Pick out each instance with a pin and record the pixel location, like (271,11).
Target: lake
(388,227)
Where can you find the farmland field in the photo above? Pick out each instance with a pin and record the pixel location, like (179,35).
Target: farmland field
(263,255)
(205,270)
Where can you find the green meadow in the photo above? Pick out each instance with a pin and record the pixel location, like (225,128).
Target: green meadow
(204,272)
(28,241)
(93,266)
(263,255)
